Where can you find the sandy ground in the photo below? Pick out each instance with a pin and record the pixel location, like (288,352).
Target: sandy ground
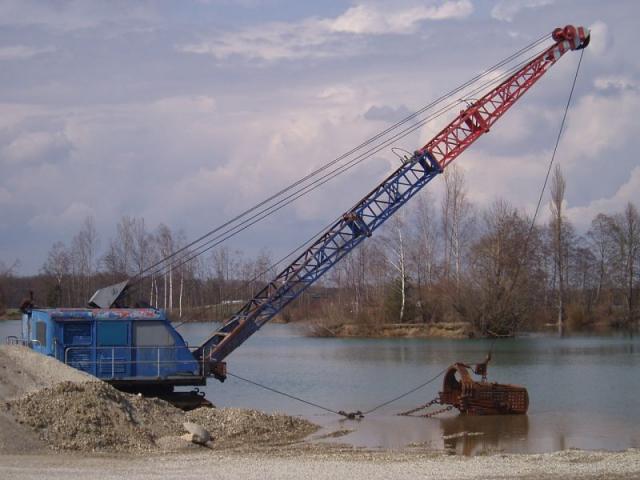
(320,465)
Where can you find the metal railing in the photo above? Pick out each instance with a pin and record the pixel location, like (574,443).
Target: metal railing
(121,357)
(114,361)
(14,340)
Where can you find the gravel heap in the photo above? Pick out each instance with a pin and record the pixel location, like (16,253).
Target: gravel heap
(22,371)
(231,427)
(94,416)
(71,410)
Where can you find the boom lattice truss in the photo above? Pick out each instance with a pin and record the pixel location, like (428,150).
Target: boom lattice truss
(376,207)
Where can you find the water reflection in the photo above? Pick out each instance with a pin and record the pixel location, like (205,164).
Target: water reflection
(469,435)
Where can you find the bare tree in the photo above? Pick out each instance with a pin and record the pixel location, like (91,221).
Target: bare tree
(118,259)
(559,243)
(83,256)
(602,246)
(426,234)
(457,222)
(504,276)
(6,274)
(583,277)
(357,275)
(395,241)
(625,229)
(423,249)
(58,266)
(166,246)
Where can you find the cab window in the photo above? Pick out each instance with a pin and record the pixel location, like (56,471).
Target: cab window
(152,334)
(41,333)
(113,334)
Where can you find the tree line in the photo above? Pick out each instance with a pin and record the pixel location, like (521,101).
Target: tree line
(437,260)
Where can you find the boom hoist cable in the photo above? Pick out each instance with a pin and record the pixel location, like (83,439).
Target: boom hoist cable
(112,296)
(207,245)
(365,143)
(232,227)
(525,248)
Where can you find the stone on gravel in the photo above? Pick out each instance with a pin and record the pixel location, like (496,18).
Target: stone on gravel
(238,427)
(198,434)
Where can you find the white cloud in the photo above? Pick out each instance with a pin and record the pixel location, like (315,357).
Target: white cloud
(598,124)
(17,52)
(627,192)
(188,141)
(506,10)
(321,38)
(36,147)
(185,104)
(600,38)
(616,82)
(5,196)
(275,41)
(367,19)
(69,217)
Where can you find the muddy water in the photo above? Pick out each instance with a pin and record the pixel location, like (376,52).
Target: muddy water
(584,391)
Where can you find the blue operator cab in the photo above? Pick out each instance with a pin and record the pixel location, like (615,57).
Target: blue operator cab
(134,349)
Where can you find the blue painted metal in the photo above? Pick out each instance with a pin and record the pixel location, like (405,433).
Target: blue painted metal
(107,344)
(342,237)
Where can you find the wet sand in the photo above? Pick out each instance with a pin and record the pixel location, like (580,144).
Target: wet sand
(331,464)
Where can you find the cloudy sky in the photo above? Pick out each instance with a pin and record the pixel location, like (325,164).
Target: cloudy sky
(185,112)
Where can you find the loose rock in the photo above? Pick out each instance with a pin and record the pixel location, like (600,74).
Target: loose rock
(198,434)
(232,427)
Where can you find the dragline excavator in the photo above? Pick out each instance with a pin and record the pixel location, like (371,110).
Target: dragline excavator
(137,349)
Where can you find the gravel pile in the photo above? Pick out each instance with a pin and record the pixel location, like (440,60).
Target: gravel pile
(95,416)
(71,410)
(22,371)
(231,427)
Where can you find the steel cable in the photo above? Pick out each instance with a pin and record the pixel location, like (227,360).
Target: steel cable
(525,249)
(322,180)
(142,273)
(339,412)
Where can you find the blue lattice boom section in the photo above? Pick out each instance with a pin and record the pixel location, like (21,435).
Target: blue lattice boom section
(383,201)
(340,239)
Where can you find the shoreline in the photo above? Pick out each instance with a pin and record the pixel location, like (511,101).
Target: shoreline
(336,462)
(440,330)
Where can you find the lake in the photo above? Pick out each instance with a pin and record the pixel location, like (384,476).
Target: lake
(583,390)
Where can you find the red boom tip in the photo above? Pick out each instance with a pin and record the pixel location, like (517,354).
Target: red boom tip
(578,37)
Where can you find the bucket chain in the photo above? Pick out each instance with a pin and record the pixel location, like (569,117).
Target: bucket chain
(435,401)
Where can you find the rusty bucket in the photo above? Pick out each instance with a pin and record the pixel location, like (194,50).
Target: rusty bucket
(474,397)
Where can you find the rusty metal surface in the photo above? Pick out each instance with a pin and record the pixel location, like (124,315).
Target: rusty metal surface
(480,397)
